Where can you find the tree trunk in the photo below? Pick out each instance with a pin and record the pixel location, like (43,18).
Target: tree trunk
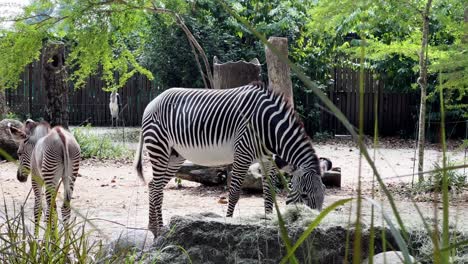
(279,74)
(3,105)
(422,81)
(235,74)
(55,78)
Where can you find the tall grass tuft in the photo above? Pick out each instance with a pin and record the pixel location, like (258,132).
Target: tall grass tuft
(53,244)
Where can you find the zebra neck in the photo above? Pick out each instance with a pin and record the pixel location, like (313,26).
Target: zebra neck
(39,132)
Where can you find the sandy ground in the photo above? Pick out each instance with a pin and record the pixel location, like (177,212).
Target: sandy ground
(110,194)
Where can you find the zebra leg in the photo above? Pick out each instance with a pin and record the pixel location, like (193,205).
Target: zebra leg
(37,188)
(51,195)
(66,209)
(268,181)
(156,185)
(175,162)
(239,170)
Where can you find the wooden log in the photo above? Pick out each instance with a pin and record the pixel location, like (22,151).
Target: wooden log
(279,74)
(209,176)
(219,176)
(235,74)
(332,178)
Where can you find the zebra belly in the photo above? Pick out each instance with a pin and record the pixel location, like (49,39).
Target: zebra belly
(208,156)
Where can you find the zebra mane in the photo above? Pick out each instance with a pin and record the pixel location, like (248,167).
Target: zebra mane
(36,130)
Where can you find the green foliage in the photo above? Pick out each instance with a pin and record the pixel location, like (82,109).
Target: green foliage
(456,180)
(103,38)
(98,146)
(19,48)
(11,115)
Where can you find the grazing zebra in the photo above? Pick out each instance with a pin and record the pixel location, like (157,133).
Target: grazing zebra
(114,107)
(218,127)
(51,155)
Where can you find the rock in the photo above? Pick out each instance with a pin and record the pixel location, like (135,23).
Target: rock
(256,240)
(7,144)
(129,241)
(394,257)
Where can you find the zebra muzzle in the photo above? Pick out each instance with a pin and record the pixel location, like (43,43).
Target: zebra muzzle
(22,175)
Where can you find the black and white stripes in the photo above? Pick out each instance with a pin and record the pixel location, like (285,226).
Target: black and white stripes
(51,156)
(218,127)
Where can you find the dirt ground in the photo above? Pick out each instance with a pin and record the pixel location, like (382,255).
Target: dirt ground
(111,196)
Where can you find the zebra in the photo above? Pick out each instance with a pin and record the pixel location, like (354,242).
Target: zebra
(235,126)
(114,107)
(51,155)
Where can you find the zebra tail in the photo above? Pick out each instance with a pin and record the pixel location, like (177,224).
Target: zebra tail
(67,167)
(138,163)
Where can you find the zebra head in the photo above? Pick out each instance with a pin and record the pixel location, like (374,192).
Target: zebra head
(26,146)
(307,188)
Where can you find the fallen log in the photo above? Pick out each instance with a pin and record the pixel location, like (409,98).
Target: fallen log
(220,176)
(209,176)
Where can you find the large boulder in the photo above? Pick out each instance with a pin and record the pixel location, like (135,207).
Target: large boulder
(7,144)
(216,239)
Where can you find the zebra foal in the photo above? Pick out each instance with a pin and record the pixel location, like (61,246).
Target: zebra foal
(52,156)
(218,127)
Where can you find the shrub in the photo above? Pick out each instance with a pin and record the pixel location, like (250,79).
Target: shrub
(98,146)
(456,180)
(52,245)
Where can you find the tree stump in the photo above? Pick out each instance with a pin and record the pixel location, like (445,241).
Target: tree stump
(55,76)
(7,144)
(235,74)
(279,74)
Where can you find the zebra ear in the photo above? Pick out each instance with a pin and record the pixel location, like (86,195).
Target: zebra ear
(29,125)
(16,133)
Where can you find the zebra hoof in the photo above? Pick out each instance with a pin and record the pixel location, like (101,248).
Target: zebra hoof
(159,231)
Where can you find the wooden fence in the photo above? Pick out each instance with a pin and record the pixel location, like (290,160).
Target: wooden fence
(87,105)
(396,111)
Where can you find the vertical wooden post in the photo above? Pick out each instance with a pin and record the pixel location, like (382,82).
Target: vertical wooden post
(279,75)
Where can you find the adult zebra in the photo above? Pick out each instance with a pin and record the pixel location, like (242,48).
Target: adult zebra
(217,127)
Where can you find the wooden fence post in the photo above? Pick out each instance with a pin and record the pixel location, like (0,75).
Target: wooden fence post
(279,74)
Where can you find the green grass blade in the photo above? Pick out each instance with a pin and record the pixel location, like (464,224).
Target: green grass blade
(395,232)
(313,225)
